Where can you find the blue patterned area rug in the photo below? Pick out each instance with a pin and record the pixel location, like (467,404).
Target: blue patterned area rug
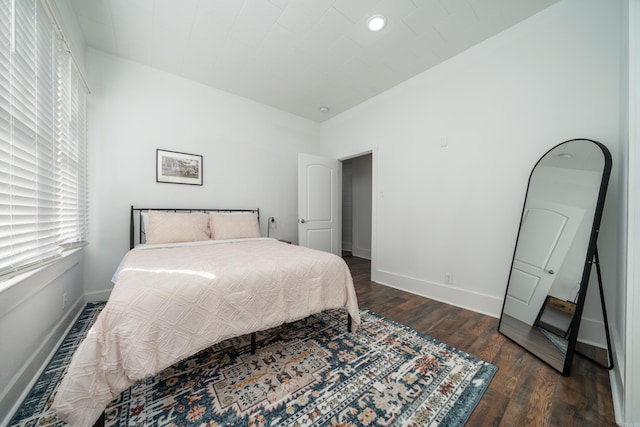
(308,373)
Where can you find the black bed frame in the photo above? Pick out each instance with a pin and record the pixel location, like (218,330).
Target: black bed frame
(136,220)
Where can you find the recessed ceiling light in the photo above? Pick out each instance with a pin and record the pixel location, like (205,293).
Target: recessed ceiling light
(377,22)
(565,156)
(324,110)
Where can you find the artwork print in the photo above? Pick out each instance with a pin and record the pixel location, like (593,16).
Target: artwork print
(178,168)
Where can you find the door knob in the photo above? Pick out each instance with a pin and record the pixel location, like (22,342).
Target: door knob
(551,272)
(302,221)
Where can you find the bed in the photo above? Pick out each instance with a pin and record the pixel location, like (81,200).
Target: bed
(194,278)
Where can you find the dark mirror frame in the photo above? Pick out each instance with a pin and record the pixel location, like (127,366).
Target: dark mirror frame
(589,260)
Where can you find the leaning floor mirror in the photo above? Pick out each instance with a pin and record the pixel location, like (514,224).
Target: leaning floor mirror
(555,250)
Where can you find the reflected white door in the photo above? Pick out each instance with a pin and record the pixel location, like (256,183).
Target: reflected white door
(319,201)
(549,230)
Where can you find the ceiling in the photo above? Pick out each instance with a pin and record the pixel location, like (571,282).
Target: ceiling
(296,55)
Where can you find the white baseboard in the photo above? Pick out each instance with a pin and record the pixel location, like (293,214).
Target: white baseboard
(616,379)
(480,303)
(617,394)
(23,381)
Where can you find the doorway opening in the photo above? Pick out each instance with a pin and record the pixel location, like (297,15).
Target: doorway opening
(357,202)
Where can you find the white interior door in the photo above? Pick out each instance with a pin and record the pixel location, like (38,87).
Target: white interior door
(319,199)
(548,230)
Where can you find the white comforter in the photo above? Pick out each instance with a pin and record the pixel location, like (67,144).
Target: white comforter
(170,302)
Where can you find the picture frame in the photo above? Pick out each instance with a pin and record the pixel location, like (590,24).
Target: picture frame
(174,167)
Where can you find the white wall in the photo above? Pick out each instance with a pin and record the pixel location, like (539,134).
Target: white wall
(249,155)
(454,146)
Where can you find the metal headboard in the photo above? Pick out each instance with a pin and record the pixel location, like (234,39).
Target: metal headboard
(136,219)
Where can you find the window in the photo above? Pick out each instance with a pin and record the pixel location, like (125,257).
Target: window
(43,149)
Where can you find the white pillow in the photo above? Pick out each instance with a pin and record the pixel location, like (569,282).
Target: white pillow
(144,221)
(176,227)
(234,225)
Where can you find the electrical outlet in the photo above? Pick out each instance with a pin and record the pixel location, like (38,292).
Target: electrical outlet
(448,278)
(65,300)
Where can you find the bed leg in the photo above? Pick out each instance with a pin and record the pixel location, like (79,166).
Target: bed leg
(348,322)
(253,343)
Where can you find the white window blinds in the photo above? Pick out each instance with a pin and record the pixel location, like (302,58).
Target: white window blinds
(71,152)
(43,154)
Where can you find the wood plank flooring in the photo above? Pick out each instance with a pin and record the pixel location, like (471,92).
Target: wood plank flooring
(524,391)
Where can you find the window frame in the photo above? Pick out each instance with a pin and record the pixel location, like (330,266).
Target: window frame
(43,141)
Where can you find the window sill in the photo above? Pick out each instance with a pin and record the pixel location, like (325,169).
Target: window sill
(67,260)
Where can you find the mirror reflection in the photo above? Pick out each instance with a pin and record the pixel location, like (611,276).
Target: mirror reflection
(554,250)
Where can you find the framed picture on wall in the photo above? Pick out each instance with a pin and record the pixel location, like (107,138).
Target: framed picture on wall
(178,168)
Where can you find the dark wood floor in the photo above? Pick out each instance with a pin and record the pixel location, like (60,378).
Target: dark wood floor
(524,391)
